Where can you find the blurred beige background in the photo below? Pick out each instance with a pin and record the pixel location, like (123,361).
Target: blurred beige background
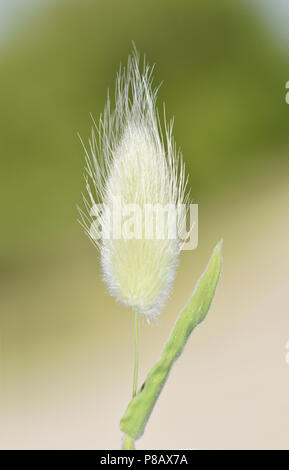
(66,351)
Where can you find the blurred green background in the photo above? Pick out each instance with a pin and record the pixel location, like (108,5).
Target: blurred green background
(66,348)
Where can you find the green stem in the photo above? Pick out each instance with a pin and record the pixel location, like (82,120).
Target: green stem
(128,442)
(136,355)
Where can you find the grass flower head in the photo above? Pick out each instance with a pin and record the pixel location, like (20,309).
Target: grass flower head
(130,160)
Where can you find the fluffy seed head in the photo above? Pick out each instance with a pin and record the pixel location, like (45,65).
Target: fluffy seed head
(132,161)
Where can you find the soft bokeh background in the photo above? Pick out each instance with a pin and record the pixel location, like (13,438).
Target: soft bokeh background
(66,352)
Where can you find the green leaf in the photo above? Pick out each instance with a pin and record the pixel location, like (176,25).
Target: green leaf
(139,409)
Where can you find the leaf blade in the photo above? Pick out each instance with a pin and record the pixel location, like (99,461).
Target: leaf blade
(140,407)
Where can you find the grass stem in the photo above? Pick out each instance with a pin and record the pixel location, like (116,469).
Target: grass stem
(136,355)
